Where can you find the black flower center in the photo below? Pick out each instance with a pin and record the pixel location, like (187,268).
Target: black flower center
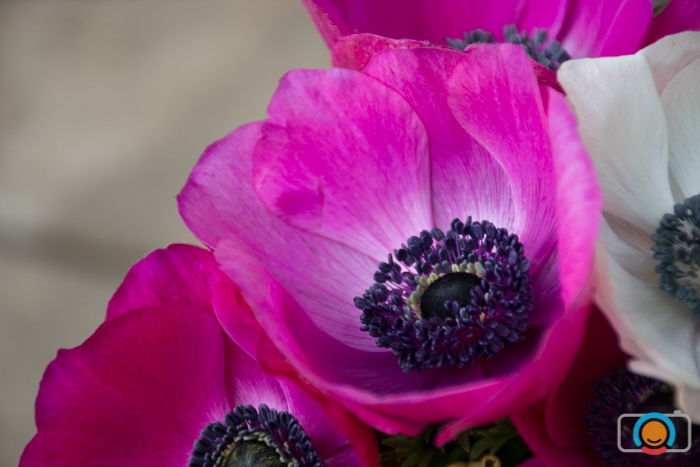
(677,248)
(250,437)
(454,287)
(549,53)
(623,392)
(444,299)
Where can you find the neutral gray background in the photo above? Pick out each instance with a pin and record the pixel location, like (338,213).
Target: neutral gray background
(104,107)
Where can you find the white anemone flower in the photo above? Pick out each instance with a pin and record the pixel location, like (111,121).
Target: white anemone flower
(639,118)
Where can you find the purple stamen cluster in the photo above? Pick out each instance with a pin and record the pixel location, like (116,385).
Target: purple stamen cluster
(446,298)
(550,54)
(624,392)
(252,437)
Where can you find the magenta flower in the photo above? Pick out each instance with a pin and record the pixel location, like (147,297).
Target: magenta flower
(584,28)
(159,383)
(415,238)
(576,424)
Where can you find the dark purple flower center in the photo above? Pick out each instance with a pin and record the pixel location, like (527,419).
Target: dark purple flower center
(250,437)
(677,248)
(444,299)
(549,53)
(623,392)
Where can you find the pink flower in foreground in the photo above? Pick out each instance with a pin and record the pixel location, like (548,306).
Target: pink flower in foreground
(416,237)
(576,425)
(584,28)
(160,384)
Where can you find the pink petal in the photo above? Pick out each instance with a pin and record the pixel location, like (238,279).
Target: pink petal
(218,202)
(465,178)
(132,394)
(356,50)
(596,28)
(543,14)
(678,16)
(555,429)
(177,275)
(346,158)
(579,200)
(496,98)
(431,20)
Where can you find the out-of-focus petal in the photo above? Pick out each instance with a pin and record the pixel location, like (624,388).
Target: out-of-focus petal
(431,20)
(678,16)
(613,99)
(641,315)
(596,28)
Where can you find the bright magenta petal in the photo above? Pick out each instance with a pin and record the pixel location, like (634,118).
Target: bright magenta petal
(678,16)
(341,152)
(132,394)
(465,179)
(178,275)
(496,98)
(431,20)
(597,28)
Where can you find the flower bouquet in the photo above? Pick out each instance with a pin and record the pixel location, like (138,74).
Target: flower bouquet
(473,241)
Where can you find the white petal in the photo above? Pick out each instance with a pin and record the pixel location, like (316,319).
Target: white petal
(681,101)
(688,400)
(623,127)
(630,248)
(671,54)
(653,327)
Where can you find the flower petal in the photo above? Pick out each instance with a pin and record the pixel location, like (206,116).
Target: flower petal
(596,28)
(681,101)
(679,15)
(496,98)
(431,20)
(465,178)
(132,394)
(622,125)
(177,275)
(653,327)
(218,203)
(670,55)
(344,157)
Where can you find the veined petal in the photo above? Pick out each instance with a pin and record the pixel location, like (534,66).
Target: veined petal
(219,203)
(465,178)
(342,152)
(670,55)
(622,125)
(514,134)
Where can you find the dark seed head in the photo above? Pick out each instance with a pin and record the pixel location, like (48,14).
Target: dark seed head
(450,297)
(677,249)
(623,392)
(250,437)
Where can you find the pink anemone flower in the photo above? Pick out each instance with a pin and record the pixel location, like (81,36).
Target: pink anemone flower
(551,30)
(576,424)
(416,238)
(160,383)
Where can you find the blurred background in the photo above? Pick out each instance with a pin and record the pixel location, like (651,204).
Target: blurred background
(105,106)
